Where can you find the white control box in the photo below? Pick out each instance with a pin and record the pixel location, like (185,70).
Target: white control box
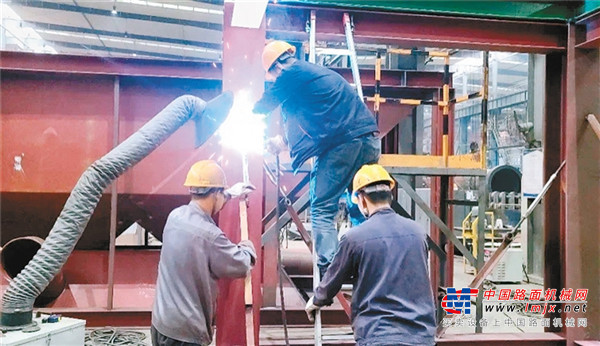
(66,332)
(510,267)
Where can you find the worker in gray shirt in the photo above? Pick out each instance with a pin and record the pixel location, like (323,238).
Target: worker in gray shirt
(194,255)
(386,259)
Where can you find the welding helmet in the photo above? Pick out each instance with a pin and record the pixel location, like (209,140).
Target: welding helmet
(206,173)
(272,52)
(369,175)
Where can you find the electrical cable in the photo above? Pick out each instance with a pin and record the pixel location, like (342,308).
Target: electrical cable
(114,337)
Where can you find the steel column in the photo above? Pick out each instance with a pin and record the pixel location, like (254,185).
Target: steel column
(242,70)
(482,190)
(553,154)
(113,202)
(581,239)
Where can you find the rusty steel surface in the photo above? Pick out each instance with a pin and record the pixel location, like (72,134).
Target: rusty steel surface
(76,64)
(417,30)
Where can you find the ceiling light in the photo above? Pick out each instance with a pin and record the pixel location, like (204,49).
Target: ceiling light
(248,13)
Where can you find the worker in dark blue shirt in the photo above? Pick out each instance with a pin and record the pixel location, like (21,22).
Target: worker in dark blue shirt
(386,259)
(323,118)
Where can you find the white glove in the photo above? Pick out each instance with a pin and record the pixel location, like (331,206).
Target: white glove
(239,190)
(311,309)
(275,145)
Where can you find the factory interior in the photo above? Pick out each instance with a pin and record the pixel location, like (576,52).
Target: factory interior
(488,114)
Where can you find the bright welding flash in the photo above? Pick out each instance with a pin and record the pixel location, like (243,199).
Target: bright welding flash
(243,130)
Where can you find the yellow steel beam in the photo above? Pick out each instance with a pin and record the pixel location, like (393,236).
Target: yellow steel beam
(438,54)
(400,51)
(469,161)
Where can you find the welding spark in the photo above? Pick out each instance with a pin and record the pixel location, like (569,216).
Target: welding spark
(243,130)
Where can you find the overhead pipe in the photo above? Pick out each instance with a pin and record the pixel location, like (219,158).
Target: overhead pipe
(18,300)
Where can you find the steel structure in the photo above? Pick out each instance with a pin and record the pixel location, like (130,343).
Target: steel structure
(53,82)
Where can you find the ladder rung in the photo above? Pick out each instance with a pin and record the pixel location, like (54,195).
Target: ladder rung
(332,51)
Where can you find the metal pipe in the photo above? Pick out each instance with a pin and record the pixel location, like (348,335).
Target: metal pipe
(17,301)
(354,61)
(312,57)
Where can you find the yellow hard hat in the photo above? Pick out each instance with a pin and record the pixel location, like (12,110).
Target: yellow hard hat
(273,51)
(367,175)
(206,173)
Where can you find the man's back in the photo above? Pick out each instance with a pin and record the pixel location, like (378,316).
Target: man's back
(321,109)
(194,255)
(392,302)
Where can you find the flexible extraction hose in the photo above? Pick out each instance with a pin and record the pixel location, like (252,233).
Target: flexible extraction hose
(17,301)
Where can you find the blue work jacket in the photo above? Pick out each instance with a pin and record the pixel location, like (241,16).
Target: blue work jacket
(320,110)
(386,259)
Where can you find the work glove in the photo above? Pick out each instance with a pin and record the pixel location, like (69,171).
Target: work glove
(275,145)
(247,243)
(239,190)
(311,309)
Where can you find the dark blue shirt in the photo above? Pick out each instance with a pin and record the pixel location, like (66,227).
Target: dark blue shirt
(392,302)
(319,108)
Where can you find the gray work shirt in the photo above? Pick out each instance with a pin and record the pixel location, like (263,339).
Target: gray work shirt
(392,302)
(195,254)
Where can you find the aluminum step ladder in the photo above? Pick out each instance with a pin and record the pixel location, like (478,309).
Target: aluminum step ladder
(351,51)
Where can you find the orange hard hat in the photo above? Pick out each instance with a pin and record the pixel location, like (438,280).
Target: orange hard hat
(206,173)
(368,175)
(273,51)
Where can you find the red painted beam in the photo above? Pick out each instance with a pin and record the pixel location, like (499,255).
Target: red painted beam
(102,317)
(417,30)
(242,70)
(537,339)
(588,32)
(424,79)
(19,61)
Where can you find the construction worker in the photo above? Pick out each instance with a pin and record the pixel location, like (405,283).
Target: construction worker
(386,259)
(324,118)
(194,255)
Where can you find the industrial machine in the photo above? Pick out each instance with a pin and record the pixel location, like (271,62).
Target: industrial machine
(51,330)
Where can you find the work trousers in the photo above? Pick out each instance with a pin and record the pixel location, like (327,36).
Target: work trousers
(159,339)
(332,173)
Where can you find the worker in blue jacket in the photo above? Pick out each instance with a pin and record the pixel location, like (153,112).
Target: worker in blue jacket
(323,118)
(385,257)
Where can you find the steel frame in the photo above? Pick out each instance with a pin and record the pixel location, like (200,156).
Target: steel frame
(569,54)
(563,45)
